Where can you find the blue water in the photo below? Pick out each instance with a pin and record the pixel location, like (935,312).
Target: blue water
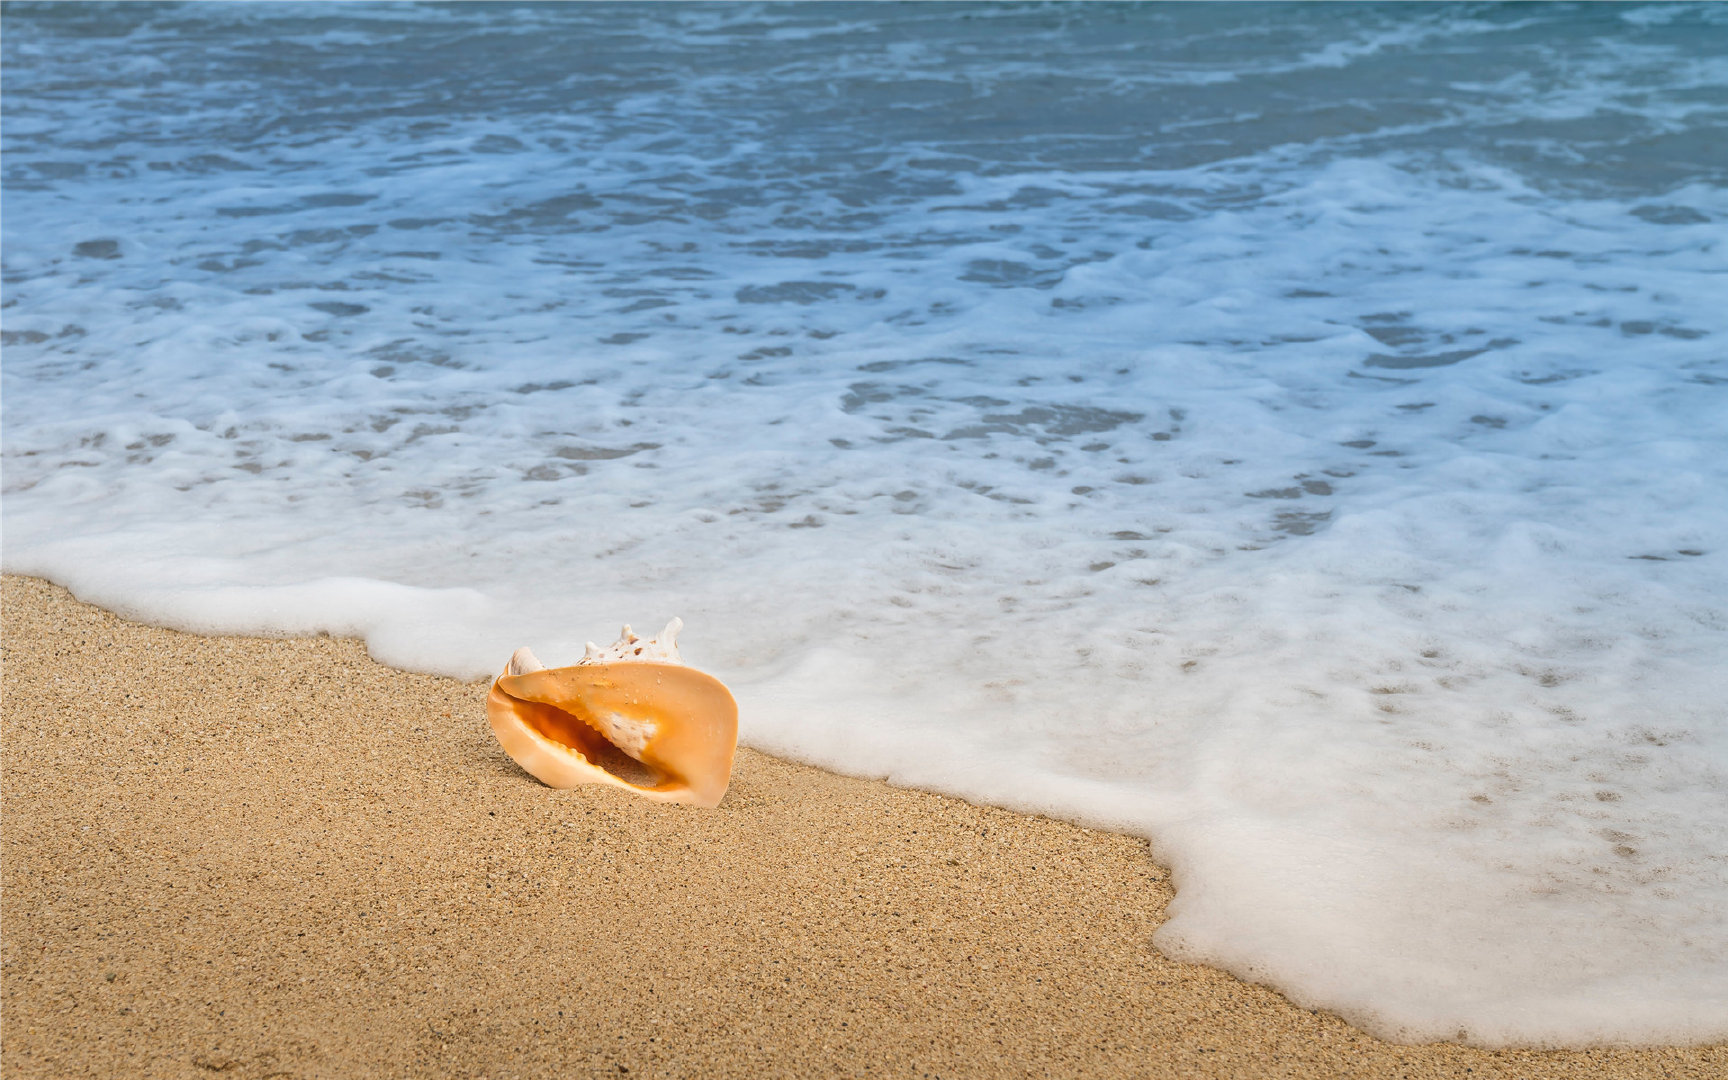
(1294,434)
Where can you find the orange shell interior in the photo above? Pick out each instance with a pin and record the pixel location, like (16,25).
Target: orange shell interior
(548,721)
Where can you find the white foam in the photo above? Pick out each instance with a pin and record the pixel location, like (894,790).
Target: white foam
(1340,509)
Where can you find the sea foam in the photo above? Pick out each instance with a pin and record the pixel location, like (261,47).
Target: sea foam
(1306,450)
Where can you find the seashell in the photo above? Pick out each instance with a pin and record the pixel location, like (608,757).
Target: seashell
(630,715)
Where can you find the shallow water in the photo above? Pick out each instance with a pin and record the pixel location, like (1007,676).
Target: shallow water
(1295,434)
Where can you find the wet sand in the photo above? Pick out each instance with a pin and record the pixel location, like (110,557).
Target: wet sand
(252,858)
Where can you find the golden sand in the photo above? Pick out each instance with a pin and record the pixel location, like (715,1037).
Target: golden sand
(252,858)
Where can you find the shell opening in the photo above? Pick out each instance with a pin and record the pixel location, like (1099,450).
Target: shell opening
(575,734)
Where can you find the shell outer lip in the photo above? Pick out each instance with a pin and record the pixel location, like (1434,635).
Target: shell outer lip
(688,759)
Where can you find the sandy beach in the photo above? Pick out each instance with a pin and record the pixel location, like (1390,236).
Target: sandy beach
(276,858)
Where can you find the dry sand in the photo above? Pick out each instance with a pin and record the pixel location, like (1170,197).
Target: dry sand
(252,858)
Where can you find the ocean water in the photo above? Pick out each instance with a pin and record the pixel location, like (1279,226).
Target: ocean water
(1298,435)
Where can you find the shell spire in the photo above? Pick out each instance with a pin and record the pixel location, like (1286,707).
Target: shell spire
(633,646)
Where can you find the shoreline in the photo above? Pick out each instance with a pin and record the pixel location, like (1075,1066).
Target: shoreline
(276,857)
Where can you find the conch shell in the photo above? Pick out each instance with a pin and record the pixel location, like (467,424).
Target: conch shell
(631,715)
